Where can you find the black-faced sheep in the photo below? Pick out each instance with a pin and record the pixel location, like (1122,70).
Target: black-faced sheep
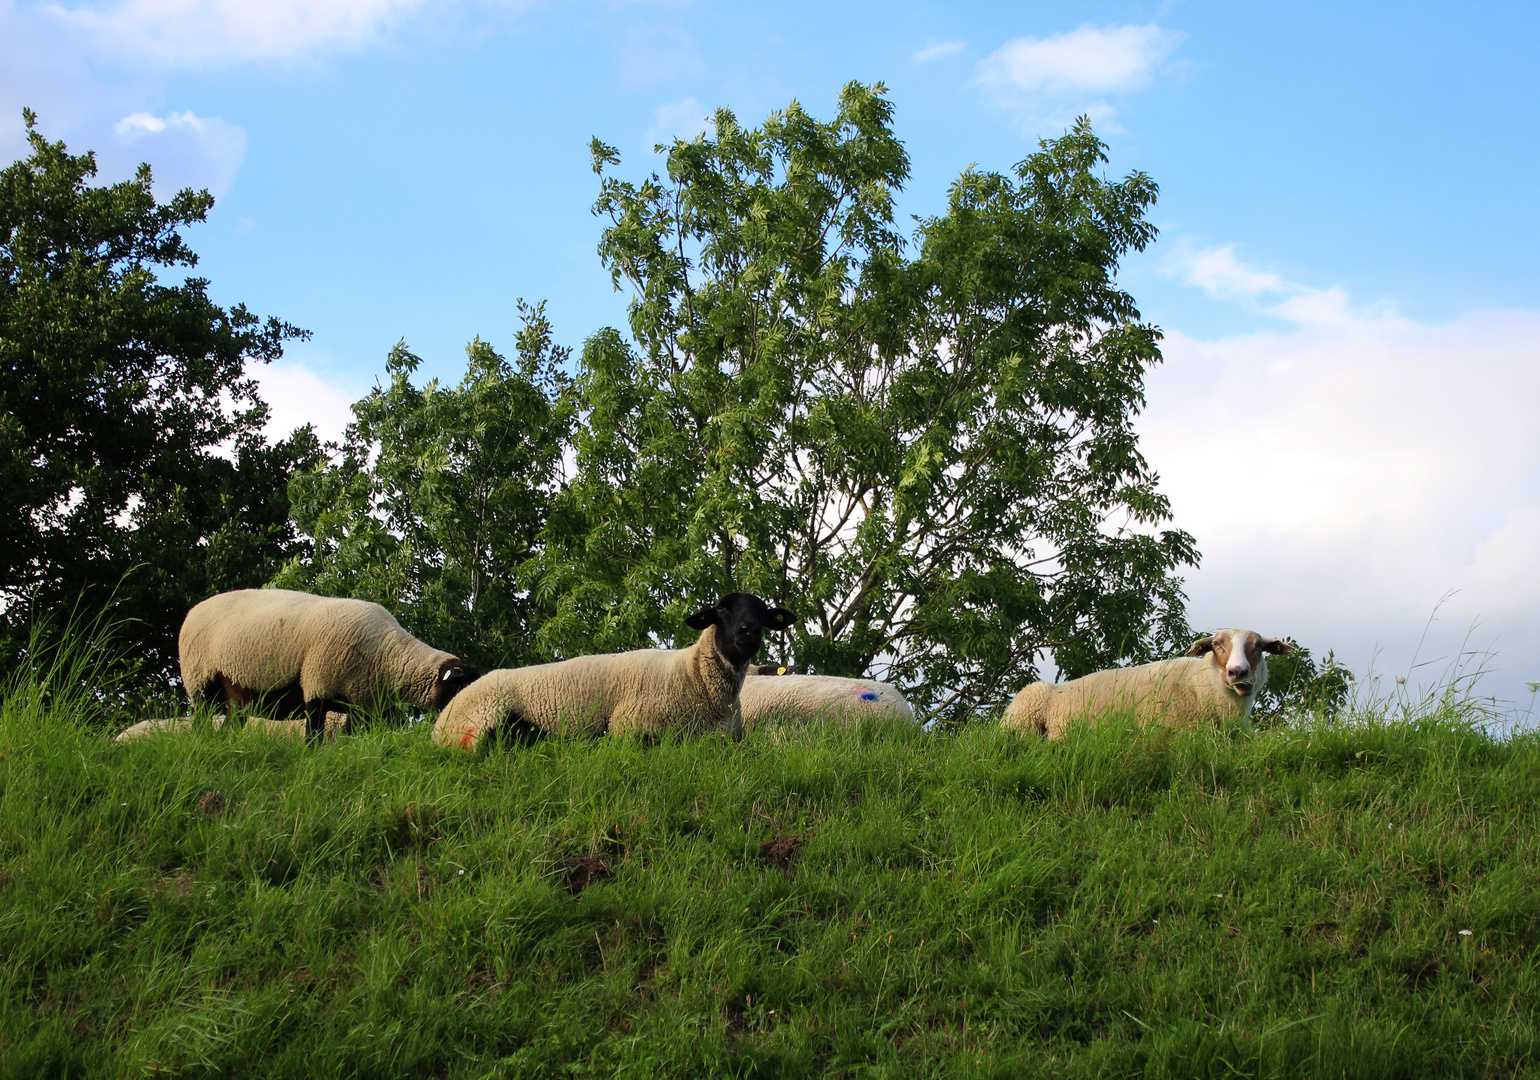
(1217,680)
(292,652)
(647,692)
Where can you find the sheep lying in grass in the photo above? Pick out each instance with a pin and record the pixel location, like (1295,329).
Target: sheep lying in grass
(1217,680)
(336,724)
(805,698)
(312,654)
(648,692)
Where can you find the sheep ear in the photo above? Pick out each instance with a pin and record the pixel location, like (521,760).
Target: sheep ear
(1276,647)
(703,618)
(1201,646)
(780,618)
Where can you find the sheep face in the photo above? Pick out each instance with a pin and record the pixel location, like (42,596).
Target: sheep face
(741,620)
(453,676)
(1239,657)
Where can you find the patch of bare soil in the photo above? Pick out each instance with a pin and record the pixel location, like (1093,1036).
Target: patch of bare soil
(779,851)
(583,871)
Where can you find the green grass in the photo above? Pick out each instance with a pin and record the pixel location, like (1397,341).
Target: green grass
(979,904)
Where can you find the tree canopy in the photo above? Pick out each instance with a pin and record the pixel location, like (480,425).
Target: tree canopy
(436,497)
(130,434)
(924,447)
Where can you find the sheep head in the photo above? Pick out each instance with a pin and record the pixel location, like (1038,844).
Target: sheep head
(453,676)
(741,620)
(1239,656)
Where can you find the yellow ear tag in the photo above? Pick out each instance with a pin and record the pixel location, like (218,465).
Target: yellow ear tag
(780,671)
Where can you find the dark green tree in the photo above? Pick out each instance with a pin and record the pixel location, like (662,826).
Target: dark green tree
(132,460)
(437,495)
(1299,687)
(929,456)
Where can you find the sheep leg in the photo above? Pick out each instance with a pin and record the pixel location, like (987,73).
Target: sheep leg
(315,718)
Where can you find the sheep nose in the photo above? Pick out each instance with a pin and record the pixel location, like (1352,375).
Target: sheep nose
(1237,673)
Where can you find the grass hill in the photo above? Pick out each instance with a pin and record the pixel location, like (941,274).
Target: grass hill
(1347,898)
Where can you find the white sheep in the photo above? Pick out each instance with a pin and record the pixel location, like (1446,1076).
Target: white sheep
(647,692)
(1217,680)
(767,695)
(336,724)
(310,654)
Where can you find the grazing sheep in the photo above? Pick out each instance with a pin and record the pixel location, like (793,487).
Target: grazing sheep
(819,697)
(647,692)
(1216,680)
(310,654)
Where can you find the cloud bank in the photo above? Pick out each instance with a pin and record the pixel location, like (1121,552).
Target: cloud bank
(1345,473)
(186,150)
(297,394)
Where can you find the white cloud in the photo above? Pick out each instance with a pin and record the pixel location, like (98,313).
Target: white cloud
(184,149)
(683,119)
(1218,272)
(1344,475)
(935,50)
(297,394)
(1088,61)
(200,33)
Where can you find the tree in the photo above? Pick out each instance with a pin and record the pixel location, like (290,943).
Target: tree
(930,458)
(1296,686)
(132,461)
(437,496)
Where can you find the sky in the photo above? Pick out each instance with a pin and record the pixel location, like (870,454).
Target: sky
(1345,272)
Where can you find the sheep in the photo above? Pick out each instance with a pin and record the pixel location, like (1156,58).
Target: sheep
(768,695)
(336,724)
(647,692)
(1216,680)
(309,654)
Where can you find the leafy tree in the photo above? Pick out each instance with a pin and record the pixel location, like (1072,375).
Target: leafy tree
(437,496)
(931,458)
(1298,686)
(132,461)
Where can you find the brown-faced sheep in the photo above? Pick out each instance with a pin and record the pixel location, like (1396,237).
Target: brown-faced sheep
(647,692)
(1217,680)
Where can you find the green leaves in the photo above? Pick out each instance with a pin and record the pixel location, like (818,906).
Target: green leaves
(434,501)
(131,455)
(928,455)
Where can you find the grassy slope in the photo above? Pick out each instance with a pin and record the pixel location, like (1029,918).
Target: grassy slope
(1113,904)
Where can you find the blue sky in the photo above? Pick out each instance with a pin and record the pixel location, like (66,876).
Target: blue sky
(1345,272)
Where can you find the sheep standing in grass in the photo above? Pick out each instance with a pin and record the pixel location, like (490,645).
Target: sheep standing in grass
(647,692)
(302,653)
(804,698)
(1216,680)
